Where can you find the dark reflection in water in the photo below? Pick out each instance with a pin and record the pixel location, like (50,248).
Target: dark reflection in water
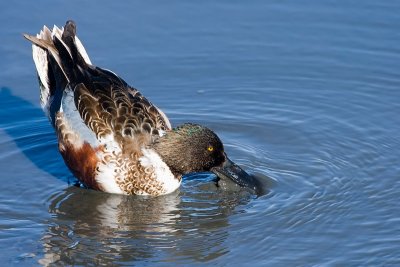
(189,225)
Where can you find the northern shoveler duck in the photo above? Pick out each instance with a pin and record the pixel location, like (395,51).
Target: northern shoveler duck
(110,136)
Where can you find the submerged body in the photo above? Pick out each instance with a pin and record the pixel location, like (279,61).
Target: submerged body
(110,136)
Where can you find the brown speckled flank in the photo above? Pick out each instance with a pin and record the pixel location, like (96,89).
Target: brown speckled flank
(83,161)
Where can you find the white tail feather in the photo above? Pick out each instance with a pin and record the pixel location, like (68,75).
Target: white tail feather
(82,50)
(42,67)
(57,31)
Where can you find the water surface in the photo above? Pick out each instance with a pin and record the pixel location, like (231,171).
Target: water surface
(306,94)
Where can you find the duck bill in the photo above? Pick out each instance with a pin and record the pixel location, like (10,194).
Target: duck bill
(230,170)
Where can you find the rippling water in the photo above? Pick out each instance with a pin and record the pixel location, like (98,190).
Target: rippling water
(304,95)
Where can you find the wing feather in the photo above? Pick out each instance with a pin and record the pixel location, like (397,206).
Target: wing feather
(109,106)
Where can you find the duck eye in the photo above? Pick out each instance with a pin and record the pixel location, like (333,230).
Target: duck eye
(210,148)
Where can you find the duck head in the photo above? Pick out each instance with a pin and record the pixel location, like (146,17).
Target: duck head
(193,148)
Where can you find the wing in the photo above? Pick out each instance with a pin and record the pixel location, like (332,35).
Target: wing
(108,105)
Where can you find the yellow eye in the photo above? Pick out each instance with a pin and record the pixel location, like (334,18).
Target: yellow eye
(210,148)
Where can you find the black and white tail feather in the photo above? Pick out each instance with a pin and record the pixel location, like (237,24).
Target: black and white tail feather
(47,47)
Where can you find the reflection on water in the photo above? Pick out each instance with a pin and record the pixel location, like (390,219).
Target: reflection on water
(127,228)
(190,226)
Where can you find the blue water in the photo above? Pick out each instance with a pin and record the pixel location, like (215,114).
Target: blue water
(304,94)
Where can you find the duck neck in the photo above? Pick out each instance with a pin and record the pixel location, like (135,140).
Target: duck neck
(171,152)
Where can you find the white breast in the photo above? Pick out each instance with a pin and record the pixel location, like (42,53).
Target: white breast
(162,172)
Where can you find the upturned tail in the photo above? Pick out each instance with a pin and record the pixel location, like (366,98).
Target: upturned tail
(60,59)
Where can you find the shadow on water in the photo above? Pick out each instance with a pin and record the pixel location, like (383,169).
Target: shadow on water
(29,128)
